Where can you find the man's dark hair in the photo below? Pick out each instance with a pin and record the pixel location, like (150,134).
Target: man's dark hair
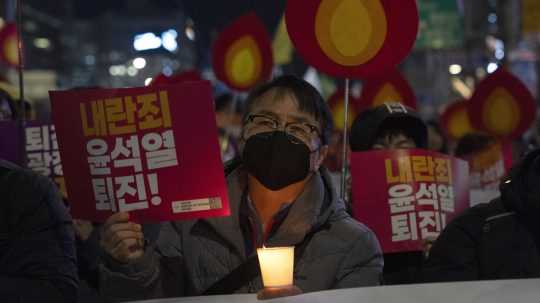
(223,102)
(472,143)
(308,98)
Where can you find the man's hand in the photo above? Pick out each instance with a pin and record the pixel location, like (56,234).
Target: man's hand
(83,229)
(121,239)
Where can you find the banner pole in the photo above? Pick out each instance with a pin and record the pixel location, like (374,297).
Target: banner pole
(21,117)
(345,145)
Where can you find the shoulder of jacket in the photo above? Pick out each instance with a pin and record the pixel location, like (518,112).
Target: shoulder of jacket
(348,231)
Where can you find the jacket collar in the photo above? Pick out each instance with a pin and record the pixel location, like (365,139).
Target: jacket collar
(313,207)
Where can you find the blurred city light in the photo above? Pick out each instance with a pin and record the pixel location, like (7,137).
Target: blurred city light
(117,70)
(167,71)
(139,63)
(492,67)
(42,43)
(168,40)
(90,60)
(492,18)
(147,81)
(146,41)
(190,33)
(455,69)
(132,71)
(499,54)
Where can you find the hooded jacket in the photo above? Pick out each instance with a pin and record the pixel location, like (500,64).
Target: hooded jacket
(37,248)
(497,240)
(343,254)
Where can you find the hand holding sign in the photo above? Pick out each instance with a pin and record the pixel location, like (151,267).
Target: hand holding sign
(121,239)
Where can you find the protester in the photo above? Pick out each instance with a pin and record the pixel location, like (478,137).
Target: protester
(225,112)
(388,126)
(498,240)
(37,251)
(392,126)
(279,196)
(473,143)
(437,140)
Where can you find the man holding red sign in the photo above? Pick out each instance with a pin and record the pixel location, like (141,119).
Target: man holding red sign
(411,192)
(280,196)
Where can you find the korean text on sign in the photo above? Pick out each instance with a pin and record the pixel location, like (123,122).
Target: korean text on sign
(419,211)
(138,156)
(407,196)
(42,152)
(151,151)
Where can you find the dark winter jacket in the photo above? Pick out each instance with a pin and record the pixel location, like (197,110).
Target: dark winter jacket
(343,253)
(498,240)
(37,251)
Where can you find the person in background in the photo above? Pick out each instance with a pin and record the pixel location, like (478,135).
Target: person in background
(225,112)
(385,127)
(388,126)
(473,143)
(279,195)
(37,245)
(497,240)
(437,140)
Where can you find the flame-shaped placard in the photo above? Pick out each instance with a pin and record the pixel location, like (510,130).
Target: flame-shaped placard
(391,87)
(352,38)
(337,107)
(455,120)
(242,54)
(502,106)
(8,44)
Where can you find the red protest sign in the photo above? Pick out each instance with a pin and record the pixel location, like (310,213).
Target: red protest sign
(490,165)
(407,196)
(42,152)
(487,168)
(41,149)
(151,151)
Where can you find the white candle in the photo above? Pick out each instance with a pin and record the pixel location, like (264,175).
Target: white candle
(277,265)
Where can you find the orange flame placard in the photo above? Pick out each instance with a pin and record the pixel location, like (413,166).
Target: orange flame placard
(337,108)
(388,88)
(455,120)
(8,44)
(242,54)
(502,106)
(352,38)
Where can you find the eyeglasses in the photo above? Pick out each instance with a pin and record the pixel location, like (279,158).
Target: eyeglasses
(301,130)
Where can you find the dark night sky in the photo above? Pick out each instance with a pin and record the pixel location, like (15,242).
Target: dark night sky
(207,14)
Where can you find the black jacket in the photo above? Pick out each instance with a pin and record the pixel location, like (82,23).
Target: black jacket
(498,240)
(37,252)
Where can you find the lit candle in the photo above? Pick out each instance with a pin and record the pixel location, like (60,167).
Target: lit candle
(277,264)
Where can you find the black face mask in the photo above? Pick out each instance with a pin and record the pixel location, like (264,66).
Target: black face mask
(276,159)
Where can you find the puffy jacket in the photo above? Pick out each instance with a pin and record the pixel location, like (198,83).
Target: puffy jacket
(189,257)
(498,240)
(37,250)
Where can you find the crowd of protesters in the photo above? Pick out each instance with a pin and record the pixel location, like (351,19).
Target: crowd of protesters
(280,194)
